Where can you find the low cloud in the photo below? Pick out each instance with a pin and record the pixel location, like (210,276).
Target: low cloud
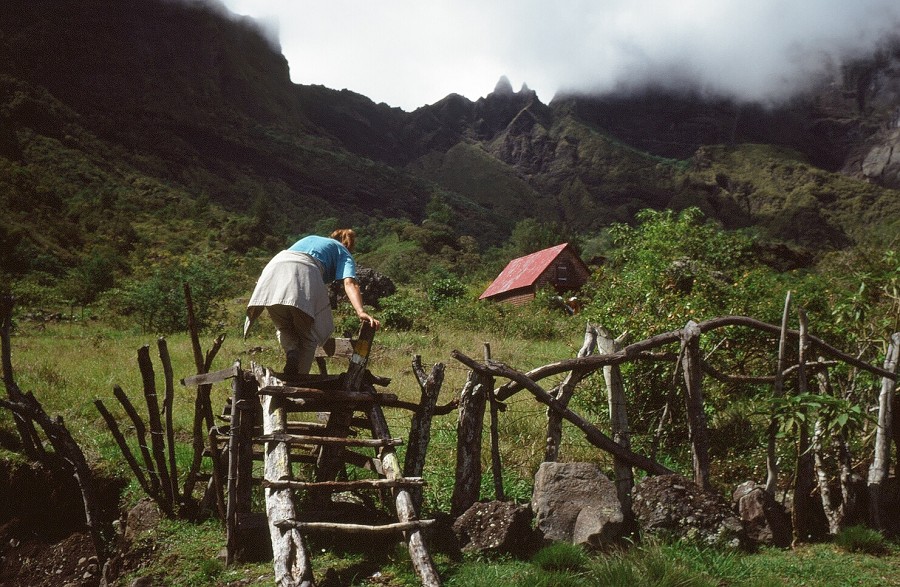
(409,53)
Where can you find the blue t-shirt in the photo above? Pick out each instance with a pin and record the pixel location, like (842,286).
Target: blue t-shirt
(334,257)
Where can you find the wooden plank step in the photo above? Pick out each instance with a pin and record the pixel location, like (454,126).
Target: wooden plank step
(346,485)
(314,381)
(350,457)
(210,378)
(311,426)
(328,440)
(334,395)
(354,528)
(296,457)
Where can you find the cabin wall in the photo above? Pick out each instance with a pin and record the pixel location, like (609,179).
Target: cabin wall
(517,297)
(565,273)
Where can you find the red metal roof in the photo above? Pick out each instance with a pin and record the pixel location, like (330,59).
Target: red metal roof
(523,271)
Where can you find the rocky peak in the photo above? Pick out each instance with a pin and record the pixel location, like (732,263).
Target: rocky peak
(503,87)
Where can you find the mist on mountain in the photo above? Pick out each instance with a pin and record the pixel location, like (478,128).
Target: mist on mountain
(126,127)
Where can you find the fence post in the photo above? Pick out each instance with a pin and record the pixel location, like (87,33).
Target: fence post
(564,393)
(618,418)
(778,391)
(693,375)
(468,445)
(420,427)
(240,458)
(878,471)
(804,470)
(495,408)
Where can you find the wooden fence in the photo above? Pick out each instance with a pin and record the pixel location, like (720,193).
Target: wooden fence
(479,391)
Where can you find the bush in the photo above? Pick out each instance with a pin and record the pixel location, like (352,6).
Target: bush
(157,301)
(445,290)
(403,311)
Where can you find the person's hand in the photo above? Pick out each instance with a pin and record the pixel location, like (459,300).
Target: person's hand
(365,317)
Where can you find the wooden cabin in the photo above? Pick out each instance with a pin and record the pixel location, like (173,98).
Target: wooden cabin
(558,267)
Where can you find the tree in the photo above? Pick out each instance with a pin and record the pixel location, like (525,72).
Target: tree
(157,301)
(530,235)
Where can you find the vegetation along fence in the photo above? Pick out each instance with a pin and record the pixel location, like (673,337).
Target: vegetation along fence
(600,351)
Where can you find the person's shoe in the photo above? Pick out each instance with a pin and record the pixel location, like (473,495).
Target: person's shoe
(292,365)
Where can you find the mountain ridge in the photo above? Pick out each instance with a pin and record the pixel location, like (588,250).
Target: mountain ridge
(120,121)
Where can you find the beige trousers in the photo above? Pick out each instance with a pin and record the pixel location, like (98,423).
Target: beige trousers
(294,329)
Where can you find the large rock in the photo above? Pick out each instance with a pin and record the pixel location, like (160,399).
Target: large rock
(372,285)
(142,519)
(671,505)
(765,520)
(495,526)
(577,503)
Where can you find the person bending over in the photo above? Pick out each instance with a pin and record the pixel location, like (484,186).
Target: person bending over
(292,288)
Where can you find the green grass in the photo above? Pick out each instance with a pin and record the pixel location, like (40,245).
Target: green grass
(67,365)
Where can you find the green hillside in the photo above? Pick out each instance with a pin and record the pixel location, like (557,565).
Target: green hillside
(146,134)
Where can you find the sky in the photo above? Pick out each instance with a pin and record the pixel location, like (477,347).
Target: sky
(409,53)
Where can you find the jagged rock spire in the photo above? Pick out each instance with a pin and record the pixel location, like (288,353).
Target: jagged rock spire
(503,86)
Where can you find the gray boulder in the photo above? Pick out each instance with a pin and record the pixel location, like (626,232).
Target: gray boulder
(671,505)
(372,285)
(765,521)
(495,526)
(577,503)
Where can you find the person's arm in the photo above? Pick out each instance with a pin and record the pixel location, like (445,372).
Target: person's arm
(351,288)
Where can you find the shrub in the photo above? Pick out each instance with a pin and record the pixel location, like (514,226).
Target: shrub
(445,290)
(157,301)
(403,311)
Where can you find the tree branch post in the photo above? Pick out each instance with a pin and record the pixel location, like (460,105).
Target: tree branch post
(881,460)
(564,393)
(777,391)
(693,377)
(420,426)
(27,433)
(157,435)
(804,472)
(468,445)
(618,418)
(495,409)
(290,556)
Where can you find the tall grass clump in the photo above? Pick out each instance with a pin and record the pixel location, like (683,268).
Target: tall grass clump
(860,539)
(648,567)
(561,556)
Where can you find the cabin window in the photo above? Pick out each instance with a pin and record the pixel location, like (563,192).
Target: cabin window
(562,273)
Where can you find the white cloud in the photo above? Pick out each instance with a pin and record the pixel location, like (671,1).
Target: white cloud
(410,53)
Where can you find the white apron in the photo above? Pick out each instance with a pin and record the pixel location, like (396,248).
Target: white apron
(293,279)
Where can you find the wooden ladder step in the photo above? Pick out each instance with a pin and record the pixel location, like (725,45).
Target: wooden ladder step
(354,528)
(346,485)
(305,427)
(328,440)
(328,396)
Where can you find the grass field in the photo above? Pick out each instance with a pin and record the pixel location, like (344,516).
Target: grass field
(67,365)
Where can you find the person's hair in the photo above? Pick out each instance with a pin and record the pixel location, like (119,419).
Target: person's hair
(345,236)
